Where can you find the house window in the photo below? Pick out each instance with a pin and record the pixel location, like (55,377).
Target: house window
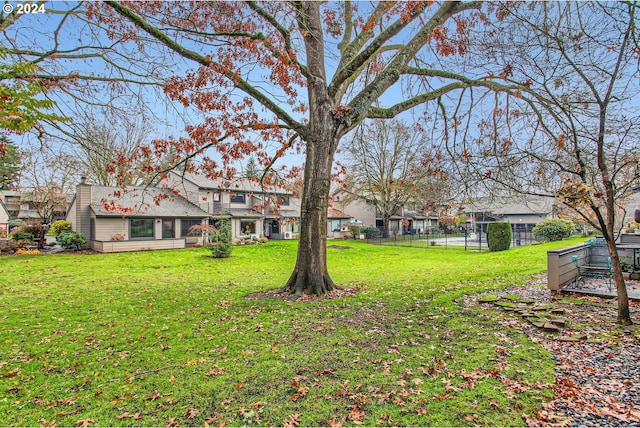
(283,200)
(247,227)
(141,228)
(186,224)
(238,198)
(168,229)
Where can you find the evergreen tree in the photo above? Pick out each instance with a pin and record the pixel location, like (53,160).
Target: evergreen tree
(252,170)
(10,165)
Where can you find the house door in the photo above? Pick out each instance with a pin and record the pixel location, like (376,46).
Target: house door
(275,227)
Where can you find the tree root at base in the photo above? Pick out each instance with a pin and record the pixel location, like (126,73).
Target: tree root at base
(297,286)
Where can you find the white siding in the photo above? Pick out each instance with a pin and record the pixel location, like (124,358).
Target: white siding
(138,245)
(4,216)
(71,216)
(107,227)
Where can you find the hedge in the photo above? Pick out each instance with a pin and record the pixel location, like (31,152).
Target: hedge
(499,236)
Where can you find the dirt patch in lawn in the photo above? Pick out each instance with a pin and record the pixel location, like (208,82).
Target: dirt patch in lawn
(289,297)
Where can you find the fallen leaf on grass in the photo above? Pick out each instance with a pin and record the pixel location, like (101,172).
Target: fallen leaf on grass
(215,371)
(126,415)
(292,421)
(356,414)
(301,393)
(12,373)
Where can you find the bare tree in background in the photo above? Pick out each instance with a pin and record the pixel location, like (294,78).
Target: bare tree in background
(47,182)
(98,142)
(390,165)
(83,68)
(570,128)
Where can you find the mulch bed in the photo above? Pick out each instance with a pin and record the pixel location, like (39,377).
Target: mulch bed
(597,361)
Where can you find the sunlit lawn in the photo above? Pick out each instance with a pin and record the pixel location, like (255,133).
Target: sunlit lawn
(169,337)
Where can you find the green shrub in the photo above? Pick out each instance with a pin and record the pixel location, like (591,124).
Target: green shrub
(71,240)
(355,230)
(499,236)
(221,243)
(16,222)
(59,226)
(20,234)
(371,232)
(21,243)
(553,230)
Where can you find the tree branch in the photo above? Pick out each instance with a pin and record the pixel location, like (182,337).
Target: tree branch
(183,51)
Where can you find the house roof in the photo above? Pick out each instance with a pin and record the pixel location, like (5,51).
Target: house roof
(141,202)
(247,213)
(512,205)
(415,216)
(334,213)
(237,184)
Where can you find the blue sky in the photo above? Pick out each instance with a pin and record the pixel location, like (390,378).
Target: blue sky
(36,31)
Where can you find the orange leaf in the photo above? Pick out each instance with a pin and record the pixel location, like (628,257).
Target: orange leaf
(293,421)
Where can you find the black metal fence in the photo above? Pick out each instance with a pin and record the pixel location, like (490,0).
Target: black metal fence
(439,239)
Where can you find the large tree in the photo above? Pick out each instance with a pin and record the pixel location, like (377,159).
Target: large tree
(303,73)
(391,164)
(570,129)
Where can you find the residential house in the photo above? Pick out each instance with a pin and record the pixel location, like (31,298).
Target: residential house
(337,221)
(30,206)
(407,220)
(523,212)
(359,209)
(632,207)
(134,218)
(254,211)
(4,221)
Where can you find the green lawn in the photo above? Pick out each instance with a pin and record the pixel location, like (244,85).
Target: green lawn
(169,337)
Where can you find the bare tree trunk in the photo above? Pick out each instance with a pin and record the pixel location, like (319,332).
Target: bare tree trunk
(624,315)
(608,223)
(385,227)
